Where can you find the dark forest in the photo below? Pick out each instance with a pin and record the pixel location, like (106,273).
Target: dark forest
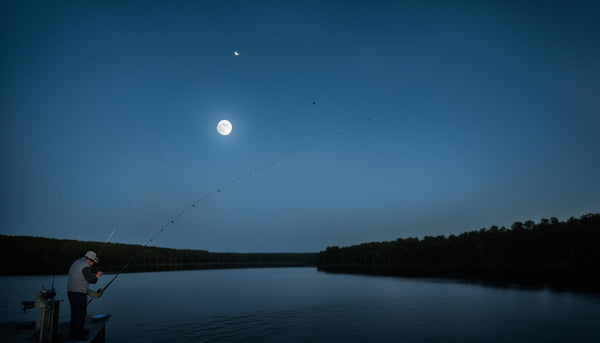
(551,252)
(25,255)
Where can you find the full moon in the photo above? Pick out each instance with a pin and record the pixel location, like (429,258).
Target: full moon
(224,127)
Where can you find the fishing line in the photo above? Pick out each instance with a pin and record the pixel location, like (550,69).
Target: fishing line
(118,222)
(216,190)
(184,211)
(291,155)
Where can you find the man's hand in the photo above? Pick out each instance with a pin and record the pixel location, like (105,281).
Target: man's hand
(98,274)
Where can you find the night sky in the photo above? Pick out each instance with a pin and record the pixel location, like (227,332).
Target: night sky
(353,121)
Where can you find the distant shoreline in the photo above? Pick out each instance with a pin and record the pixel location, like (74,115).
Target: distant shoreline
(164,267)
(49,256)
(522,278)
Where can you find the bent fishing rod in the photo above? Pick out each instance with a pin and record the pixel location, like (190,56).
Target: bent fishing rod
(101,291)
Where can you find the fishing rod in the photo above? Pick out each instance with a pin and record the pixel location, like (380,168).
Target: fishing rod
(99,292)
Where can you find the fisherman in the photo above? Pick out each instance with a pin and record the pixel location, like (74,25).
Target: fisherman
(80,277)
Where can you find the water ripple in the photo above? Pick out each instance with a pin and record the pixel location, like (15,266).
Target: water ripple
(248,327)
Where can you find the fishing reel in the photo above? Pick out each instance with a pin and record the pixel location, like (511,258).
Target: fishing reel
(95,294)
(43,301)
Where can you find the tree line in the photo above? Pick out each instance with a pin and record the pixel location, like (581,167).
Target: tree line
(549,251)
(26,255)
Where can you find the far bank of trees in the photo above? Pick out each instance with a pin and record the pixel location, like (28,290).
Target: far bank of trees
(24,255)
(549,250)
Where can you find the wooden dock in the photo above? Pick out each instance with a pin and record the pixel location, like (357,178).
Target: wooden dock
(25,332)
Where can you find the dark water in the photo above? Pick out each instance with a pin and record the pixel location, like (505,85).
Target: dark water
(303,304)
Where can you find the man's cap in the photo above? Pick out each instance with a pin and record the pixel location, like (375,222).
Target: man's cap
(92,256)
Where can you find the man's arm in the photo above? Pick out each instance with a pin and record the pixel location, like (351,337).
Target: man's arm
(89,275)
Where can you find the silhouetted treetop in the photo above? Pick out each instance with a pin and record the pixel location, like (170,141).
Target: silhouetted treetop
(549,249)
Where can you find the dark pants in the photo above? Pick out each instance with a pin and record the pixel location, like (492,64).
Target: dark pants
(78,302)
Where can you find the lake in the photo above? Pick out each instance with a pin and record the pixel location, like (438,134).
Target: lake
(306,305)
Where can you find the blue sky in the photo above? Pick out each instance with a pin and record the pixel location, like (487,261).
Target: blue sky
(430,118)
